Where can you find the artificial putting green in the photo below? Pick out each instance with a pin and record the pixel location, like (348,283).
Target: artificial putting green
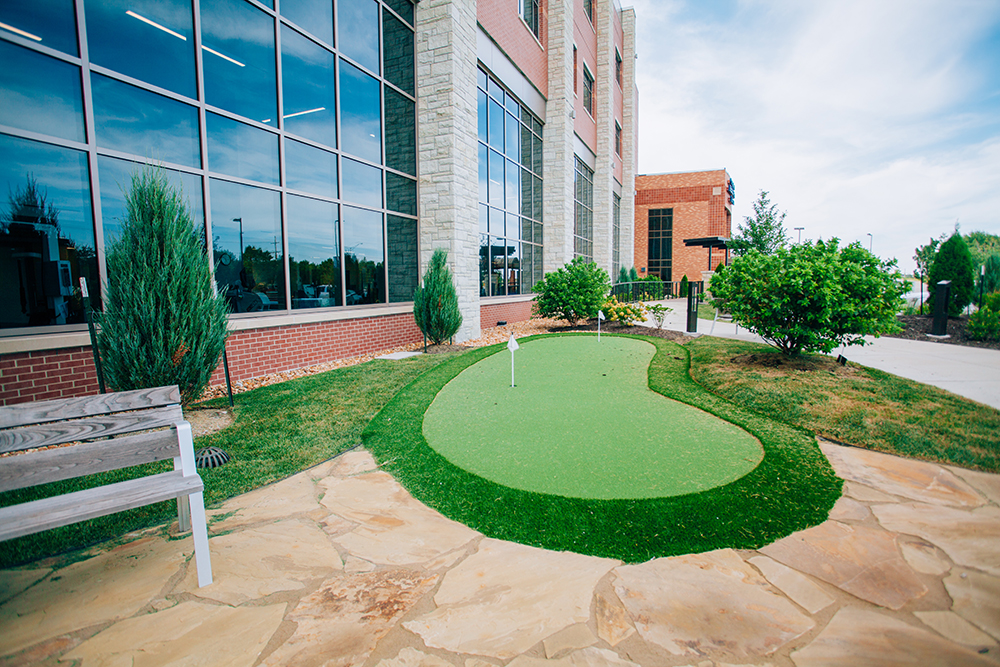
(792,488)
(581,422)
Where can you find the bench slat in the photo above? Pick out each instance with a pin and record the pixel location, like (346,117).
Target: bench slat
(12,440)
(86,458)
(87,406)
(48,513)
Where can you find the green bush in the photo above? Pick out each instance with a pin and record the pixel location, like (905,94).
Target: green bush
(574,292)
(684,287)
(652,288)
(633,275)
(623,275)
(953,262)
(992,301)
(659,313)
(811,298)
(435,302)
(984,324)
(162,323)
(990,280)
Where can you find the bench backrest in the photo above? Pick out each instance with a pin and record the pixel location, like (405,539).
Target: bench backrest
(102,428)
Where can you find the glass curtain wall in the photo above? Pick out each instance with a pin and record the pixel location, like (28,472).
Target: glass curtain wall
(583,218)
(291,135)
(510,192)
(616,247)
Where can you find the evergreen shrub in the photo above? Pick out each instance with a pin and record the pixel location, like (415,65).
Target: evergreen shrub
(435,303)
(984,324)
(163,322)
(684,287)
(953,262)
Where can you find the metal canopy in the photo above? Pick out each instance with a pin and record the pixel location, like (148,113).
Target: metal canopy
(708,242)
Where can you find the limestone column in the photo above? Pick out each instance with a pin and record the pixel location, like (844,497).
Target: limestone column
(557,142)
(630,138)
(604,115)
(447,151)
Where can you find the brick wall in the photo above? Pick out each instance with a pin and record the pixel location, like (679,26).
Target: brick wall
(48,374)
(504,312)
(500,19)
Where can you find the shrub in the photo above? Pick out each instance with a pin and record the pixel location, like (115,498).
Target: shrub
(659,313)
(806,298)
(623,275)
(990,280)
(626,314)
(992,301)
(984,324)
(162,323)
(435,302)
(684,287)
(574,292)
(953,262)
(633,275)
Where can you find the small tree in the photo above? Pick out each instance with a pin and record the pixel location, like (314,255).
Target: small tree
(633,275)
(924,258)
(684,286)
(573,292)
(953,262)
(811,298)
(763,232)
(435,303)
(623,275)
(163,322)
(990,280)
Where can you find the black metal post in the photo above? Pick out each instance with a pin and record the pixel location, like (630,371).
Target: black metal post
(93,334)
(229,383)
(692,323)
(941,294)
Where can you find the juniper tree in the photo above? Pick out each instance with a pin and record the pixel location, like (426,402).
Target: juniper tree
(163,322)
(953,262)
(764,231)
(435,303)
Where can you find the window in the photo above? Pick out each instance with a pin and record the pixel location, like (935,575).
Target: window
(616,248)
(618,68)
(588,9)
(588,91)
(575,70)
(583,218)
(661,243)
(510,192)
(618,139)
(529,12)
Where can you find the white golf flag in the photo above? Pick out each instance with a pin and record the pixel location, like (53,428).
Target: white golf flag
(512,344)
(600,314)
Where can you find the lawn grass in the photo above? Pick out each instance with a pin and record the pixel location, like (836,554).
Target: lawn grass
(792,488)
(852,404)
(278,431)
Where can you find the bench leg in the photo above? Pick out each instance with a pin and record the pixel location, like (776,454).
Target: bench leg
(183,508)
(202,557)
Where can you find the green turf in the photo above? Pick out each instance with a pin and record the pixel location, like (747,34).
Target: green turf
(582,422)
(792,488)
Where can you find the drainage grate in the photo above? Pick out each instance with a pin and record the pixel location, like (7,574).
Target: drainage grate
(210,457)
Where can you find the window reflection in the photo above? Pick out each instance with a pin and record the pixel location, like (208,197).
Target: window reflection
(40,94)
(314,16)
(46,234)
(238,59)
(241,150)
(401,241)
(496,115)
(513,187)
(404,8)
(400,193)
(360,113)
(400,132)
(397,52)
(51,23)
(498,266)
(363,257)
(150,40)
(362,183)
(314,253)
(116,179)
(307,81)
(484,262)
(246,246)
(310,169)
(358,32)
(137,121)
(496,179)
(483,173)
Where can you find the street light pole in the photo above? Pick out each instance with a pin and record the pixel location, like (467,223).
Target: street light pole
(799,230)
(870,240)
(240,220)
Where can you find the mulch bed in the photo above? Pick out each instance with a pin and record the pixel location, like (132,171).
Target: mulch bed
(916,327)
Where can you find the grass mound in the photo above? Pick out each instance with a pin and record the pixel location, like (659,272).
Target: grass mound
(792,488)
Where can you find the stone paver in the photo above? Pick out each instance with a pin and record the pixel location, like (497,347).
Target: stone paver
(339,566)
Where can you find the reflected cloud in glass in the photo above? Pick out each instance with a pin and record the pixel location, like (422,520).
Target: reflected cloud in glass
(360,113)
(51,23)
(115,178)
(137,121)
(40,94)
(307,79)
(310,169)
(362,183)
(242,150)
(358,31)
(313,16)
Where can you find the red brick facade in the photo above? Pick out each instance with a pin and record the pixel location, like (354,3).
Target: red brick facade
(700,204)
(514,37)
(63,373)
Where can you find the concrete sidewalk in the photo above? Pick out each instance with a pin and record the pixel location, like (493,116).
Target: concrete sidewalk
(972,372)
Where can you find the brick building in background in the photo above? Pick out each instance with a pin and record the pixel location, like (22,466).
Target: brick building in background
(334,144)
(670,208)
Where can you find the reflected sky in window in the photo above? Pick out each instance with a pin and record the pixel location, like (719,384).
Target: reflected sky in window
(360,113)
(314,253)
(310,169)
(151,126)
(116,179)
(314,16)
(242,150)
(51,23)
(358,31)
(307,79)
(362,183)
(40,94)
(150,40)
(238,45)
(47,231)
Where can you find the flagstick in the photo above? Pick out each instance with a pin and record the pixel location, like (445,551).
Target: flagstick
(512,368)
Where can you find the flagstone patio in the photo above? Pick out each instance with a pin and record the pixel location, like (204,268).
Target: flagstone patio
(339,566)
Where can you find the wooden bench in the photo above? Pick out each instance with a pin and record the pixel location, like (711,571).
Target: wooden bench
(72,437)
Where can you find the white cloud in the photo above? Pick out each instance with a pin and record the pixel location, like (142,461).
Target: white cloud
(857,116)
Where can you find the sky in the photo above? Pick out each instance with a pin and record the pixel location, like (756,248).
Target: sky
(858,117)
